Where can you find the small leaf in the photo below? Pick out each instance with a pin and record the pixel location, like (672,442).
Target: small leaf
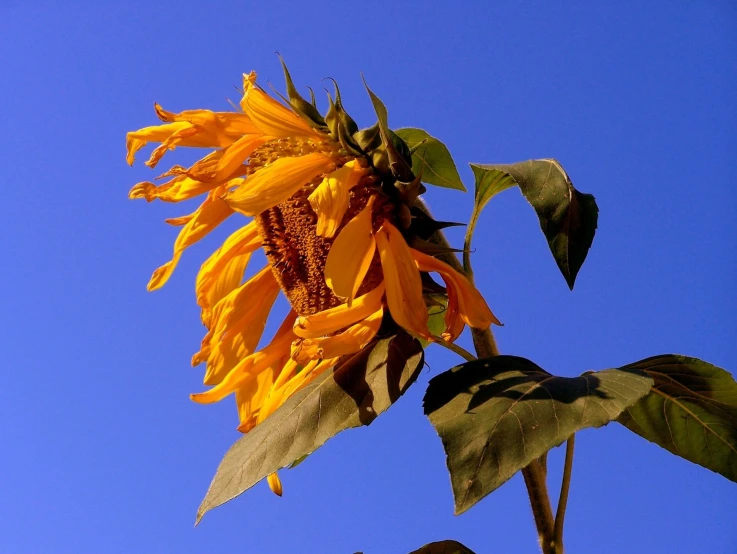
(496,415)
(353,394)
(443,547)
(568,218)
(691,411)
(431,159)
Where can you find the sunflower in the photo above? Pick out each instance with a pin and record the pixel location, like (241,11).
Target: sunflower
(332,208)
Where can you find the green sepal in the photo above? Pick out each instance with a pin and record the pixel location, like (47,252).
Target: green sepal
(424,226)
(304,109)
(397,155)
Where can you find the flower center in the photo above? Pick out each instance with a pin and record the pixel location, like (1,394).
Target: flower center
(297,254)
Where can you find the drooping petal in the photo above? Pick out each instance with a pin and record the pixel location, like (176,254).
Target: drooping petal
(472,307)
(222,272)
(274,483)
(350,341)
(331,197)
(209,215)
(337,318)
(227,125)
(237,324)
(350,255)
(229,160)
(181,187)
(135,140)
(252,365)
(250,398)
(403,283)
(276,182)
(269,116)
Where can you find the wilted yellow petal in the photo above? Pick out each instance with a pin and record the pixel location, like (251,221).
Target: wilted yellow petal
(135,140)
(223,271)
(472,307)
(276,182)
(350,255)
(274,483)
(210,214)
(236,325)
(227,161)
(403,284)
(337,318)
(269,116)
(331,197)
(350,341)
(252,365)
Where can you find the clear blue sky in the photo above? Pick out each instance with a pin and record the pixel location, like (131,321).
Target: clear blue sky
(100,448)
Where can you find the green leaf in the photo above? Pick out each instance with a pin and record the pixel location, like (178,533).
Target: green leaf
(431,159)
(354,393)
(443,547)
(691,411)
(496,415)
(568,218)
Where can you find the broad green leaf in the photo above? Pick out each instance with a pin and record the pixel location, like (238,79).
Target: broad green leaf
(568,218)
(354,393)
(496,415)
(443,547)
(691,411)
(431,159)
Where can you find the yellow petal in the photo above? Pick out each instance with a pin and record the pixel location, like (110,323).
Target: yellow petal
(472,307)
(350,255)
(350,341)
(210,214)
(225,125)
(331,198)
(337,318)
(251,397)
(274,483)
(181,187)
(275,183)
(223,271)
(227,161)
(250,366)
(269,116)
(237,324)
(135,140)
(403,284)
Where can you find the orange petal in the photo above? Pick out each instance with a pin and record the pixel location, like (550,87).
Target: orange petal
(350,341)
(350,255)
(223,271)
(209,215)
(250,366)
(472,307)
(403,284)
(275,183)
(269,116)
(337,318)
(229,160)
(331,198)
(237,324)
(275,483)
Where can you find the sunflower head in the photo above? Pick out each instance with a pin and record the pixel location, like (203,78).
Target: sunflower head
(334,209)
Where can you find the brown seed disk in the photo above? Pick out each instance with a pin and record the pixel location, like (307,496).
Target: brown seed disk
(297,254)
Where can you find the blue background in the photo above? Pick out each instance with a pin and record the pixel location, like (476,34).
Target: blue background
(100,448)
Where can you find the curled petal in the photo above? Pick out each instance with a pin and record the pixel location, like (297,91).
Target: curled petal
(276,182)
(350,341)
(250,366)
(331,198)
(464,300)
(350,255)
(269,116)
(222,272)
(224,163)
(337,318)
(403,283)
(209,215)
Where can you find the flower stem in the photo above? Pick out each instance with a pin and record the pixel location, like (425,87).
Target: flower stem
(534,474)
(462,352)
(560,513)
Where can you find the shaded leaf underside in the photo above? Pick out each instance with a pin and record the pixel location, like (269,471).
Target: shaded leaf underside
(354,393)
